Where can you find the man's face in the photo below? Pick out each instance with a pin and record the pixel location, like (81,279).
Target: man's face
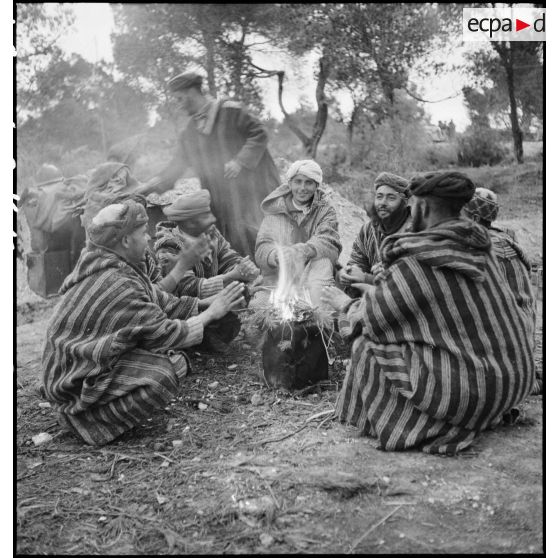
(303,188)
(198,224)
(418,222)
(135,244)
(185,100)
(167,258)
(387,201)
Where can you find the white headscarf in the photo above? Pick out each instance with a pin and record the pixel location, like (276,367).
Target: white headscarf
(308,168)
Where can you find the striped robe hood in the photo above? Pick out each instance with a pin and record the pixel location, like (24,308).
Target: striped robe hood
(442,350)
(109,309)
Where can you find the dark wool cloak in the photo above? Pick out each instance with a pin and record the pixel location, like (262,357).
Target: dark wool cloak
(442,349)
(112,351)
(233,134)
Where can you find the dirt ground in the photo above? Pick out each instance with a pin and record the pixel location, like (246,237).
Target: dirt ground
(255,470)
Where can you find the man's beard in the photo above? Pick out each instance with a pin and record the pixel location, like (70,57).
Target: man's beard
(390,221)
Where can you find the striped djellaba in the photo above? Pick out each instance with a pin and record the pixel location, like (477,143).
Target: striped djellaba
(113,349)
(442,350)
(516,267)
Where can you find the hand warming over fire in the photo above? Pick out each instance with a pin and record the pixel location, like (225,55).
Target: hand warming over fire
(230,298)
(245,270)
(351,274)
(335,297)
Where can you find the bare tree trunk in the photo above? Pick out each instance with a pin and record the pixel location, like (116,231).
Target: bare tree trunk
(288,119)
(309,143)
(103,132)
(210,63)
(321,115)
(350,133)
(516,129)
(506,57)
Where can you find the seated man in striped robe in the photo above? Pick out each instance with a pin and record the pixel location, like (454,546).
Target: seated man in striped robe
(514,263)
(114,350)
(441,349)
(221,266)
(389,214)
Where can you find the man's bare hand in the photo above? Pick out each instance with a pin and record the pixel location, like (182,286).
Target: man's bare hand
(232,169)
(247,269)
(335,297)
(351,274)
(378,272)
(230,298)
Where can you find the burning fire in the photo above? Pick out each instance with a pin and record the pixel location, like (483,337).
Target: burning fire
(288,294)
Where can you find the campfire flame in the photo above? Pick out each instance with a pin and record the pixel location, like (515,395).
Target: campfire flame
(288,295)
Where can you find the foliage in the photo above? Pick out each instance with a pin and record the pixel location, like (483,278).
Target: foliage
(397,144)
(488,97)
(157,41)
(480,146)
(38,28)
(76,104)
(387,41)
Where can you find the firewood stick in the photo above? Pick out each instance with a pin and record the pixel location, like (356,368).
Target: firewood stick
(362,537)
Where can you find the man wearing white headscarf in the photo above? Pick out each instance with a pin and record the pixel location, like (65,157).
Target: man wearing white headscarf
(299,231)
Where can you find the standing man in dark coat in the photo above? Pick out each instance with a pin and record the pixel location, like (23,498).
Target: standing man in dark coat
(227,148)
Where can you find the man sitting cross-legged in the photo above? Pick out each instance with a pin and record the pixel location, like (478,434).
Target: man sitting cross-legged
(441,348)
(114,346)
(222,265)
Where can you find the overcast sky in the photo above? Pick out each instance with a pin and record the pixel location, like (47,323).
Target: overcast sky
(90,37)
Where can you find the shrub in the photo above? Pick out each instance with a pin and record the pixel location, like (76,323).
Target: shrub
(442,155)
(480,146)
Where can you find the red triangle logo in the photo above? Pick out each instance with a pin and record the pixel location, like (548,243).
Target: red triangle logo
(519,25)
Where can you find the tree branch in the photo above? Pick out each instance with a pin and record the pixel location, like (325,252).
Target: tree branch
(417,98)
(288,119)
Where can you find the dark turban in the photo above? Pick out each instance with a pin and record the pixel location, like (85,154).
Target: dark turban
(115,221)
(188,206)
(185,81)
(450,186)
(483,208)
(398,183)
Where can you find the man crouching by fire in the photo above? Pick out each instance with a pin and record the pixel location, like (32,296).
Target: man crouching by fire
(221,266)
(299,232)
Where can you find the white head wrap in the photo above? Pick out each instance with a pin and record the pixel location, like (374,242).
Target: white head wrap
(308,168)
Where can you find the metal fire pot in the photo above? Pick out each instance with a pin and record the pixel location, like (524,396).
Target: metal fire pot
(294,356)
